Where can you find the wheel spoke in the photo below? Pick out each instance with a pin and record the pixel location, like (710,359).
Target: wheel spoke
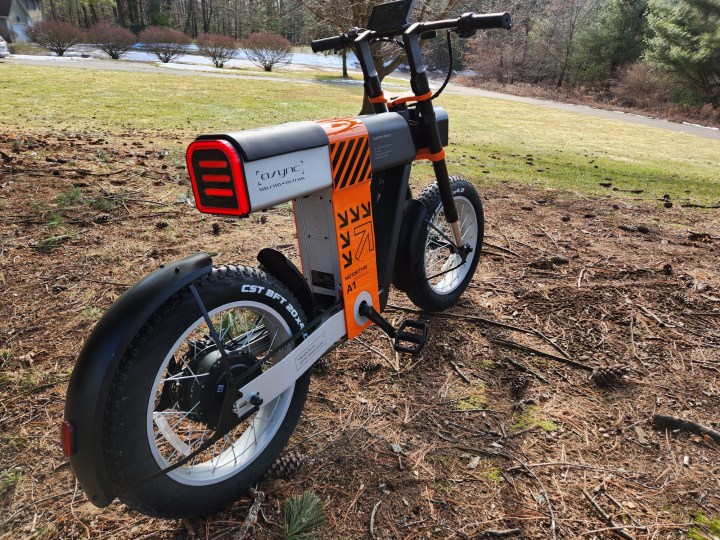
(180,429)
(180,378)
(444,268)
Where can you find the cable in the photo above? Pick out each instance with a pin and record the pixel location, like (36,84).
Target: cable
(450,65)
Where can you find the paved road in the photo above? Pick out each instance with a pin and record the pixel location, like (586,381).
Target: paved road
(183,69)
(690,129)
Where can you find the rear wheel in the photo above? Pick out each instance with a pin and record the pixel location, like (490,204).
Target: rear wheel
(438,274)
(168,392)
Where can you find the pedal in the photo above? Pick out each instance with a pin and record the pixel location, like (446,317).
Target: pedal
(411,337)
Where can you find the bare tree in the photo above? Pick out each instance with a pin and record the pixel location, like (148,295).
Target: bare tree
(267,50)
(557,37)
(165,43)
(56,36)
(112,39)
(218,48)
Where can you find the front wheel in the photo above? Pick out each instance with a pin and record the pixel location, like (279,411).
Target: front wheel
(438,275)
(167,394)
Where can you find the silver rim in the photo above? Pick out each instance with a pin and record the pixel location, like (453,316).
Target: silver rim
(444,269)
(174,432)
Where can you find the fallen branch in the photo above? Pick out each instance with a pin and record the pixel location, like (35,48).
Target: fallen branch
(526,369)
(553,522)
(693,205)
(489,322)
(505,250)
(617,529)
(460,372)
(525,348)
(521,466)
(657,319)
(372,519)
(252,514)
(664,421)
(505,533)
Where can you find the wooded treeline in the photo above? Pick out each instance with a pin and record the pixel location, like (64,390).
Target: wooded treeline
(669,49)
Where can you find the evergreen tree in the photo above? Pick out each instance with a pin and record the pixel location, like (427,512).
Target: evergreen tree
(685,42)
(615,40)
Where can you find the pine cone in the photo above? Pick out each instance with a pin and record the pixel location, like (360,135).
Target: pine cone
(322,366)
(368,366)
(518,385)
(287,465)
(606,376)
(161,225)
(684,299)
(101,218)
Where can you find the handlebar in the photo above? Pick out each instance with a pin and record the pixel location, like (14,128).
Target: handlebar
(330,43)
(465,26)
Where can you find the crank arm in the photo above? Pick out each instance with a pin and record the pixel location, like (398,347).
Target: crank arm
(273,382)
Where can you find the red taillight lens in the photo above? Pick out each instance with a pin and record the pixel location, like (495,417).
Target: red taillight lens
(67,438)
(217,178)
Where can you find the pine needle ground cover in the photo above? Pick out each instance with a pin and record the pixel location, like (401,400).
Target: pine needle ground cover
(490,429)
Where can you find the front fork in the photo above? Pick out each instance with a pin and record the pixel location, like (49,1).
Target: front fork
(421,87)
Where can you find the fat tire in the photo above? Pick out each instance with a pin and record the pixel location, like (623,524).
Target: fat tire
(126,447)
(419,290)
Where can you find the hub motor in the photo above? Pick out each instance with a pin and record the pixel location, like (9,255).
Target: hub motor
(204,384)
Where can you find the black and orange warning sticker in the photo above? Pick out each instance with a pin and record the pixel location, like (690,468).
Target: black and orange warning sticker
(352,208)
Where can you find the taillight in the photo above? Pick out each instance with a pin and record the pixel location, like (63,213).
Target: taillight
(217,178)
(67,438)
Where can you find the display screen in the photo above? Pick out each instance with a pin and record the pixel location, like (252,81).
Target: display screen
(390,17)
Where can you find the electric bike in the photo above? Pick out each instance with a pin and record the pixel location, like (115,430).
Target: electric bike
(191,384)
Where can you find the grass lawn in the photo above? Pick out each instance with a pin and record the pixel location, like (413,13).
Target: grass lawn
(491,140)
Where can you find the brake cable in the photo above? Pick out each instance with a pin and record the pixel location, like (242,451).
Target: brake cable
(450,66)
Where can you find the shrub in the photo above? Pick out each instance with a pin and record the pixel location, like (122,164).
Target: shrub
(267,50)
(165,43)
(639,85)
(218,48)
(56,36)
(112,39)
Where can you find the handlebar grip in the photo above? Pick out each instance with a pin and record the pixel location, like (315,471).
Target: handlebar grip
(491,20)
(329,44)
(469,23)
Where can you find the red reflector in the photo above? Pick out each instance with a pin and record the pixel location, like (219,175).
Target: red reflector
(67,438)
(216,161)
(212,164)
(219,192)
(215,177)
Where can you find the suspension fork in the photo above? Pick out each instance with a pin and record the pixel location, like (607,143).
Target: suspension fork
(420,85)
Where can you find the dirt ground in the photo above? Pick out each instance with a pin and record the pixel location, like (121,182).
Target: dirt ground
(490,432)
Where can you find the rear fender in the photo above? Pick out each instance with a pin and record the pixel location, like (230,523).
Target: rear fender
(100,356)
(280,267)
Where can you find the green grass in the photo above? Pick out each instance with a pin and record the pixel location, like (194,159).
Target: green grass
(10,479)
(577,151)
(470,398)
(491,140)
(708,529)
(82,99)
(532,416)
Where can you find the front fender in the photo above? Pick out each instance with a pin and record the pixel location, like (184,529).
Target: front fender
(96,365)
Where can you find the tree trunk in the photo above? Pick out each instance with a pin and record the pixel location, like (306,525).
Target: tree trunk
(344,60)
(85,16)
(120,13)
